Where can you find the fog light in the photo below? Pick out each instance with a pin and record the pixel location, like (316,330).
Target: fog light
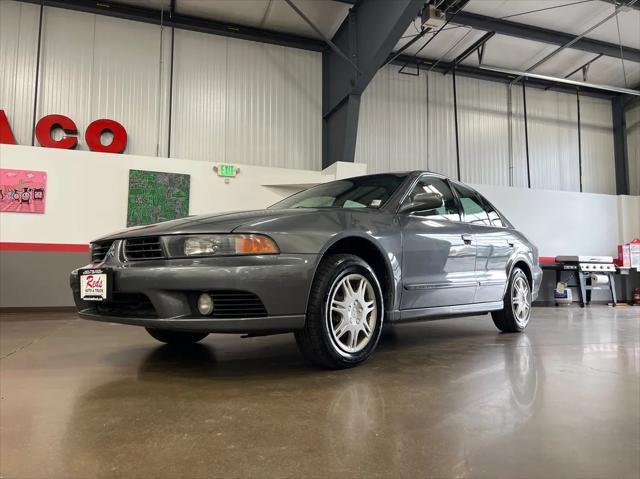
(205,304)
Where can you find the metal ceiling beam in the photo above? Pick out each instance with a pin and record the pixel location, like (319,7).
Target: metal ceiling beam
(520,74)
(475,46)
(186,22)
(544,35)
(367,36)
(326,39)
(576,40)
(481,73)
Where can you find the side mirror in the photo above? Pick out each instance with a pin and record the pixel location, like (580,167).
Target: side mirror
(423,202)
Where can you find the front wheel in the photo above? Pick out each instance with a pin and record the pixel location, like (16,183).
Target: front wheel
(345,313)
(517,304)
(177,338)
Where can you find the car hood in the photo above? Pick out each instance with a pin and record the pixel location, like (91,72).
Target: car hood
(211,223)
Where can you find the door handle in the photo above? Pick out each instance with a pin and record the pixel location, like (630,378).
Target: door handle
(510,243)
(466,238)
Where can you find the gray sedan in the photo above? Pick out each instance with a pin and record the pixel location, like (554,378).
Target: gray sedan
(330,264)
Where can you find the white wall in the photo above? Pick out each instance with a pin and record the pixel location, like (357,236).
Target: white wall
(568,223)
(96,202)
(87,192)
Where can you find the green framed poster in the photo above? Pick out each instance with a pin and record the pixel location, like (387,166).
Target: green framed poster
(156,196)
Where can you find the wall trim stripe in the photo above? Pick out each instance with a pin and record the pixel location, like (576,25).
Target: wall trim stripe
(46,247)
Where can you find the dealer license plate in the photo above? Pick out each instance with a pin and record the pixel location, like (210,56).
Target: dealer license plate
(95,284)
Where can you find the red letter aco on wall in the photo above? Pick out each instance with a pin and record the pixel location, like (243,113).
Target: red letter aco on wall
(47,124)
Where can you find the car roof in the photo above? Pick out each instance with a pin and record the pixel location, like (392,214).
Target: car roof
(408,173)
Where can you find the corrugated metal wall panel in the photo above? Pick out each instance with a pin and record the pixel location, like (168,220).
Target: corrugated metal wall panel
(633,148)
(408,117)
(483,126)
(256,124)
(126,84)
(441,125)
(65,79)
(372,145)
(165,92)
(303,109)
(392,130)
(518,146)
(246,102)
(596,132)
(110,69)
(199,111)
(18,55)
(553,140)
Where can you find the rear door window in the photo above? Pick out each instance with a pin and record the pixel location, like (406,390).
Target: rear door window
(472,206)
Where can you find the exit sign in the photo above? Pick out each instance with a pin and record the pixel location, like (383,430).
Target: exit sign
(226,170)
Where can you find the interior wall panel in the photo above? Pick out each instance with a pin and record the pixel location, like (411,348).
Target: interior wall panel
(246,102)
(408,116)
(517,135)
(199,109)
(596,132)
(126,83)
(303,109)
(553,140)
(483,126)
(392,128)
(633,148)
(65,79)
(372,143)
(110,69)
(441,125)
(18,57)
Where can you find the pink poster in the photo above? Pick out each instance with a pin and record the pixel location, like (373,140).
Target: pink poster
(22,191)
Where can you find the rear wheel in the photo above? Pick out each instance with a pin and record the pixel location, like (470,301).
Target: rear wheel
(176,337)
(517,304)
(345,313)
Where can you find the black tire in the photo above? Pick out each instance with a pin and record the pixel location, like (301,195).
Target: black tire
(178,338)
(316,341)
(505,319)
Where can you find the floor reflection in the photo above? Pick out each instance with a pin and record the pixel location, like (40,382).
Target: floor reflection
(187,401)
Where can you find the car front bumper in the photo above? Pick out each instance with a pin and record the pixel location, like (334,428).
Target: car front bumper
(163,293)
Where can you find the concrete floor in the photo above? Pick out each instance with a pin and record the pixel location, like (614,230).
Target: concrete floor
(442,399)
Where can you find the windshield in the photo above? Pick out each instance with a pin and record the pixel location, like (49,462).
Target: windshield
(371,191)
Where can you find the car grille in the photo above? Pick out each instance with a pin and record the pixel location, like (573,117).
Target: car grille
(143,248)
(237,304)
(99,250)
(127,305)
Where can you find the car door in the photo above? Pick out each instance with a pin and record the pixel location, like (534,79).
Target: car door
(493,241)
(438,259)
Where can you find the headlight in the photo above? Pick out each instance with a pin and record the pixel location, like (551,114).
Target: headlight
(219,245)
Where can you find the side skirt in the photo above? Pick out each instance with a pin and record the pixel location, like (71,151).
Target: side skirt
(441,312)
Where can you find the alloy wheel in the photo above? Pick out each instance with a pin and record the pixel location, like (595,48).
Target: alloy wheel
(521,301)
(352,313)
